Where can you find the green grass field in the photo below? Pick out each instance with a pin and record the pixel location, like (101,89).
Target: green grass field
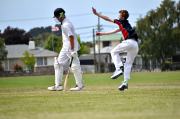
(150,96)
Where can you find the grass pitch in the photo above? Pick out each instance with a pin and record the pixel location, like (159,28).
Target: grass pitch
(150,96)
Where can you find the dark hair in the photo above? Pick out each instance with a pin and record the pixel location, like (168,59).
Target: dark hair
(125,13)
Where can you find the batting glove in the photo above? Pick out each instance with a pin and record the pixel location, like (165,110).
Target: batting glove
(74,53)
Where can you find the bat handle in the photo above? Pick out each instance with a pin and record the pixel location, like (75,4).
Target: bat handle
(71,62)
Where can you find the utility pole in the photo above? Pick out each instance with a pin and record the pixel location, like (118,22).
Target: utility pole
(99,44)
(52,41)
(94,52)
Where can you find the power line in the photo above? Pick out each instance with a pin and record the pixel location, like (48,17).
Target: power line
(84,33)
(80,15)
(16,20)
(85,27)
(86,36)
(108,26)
(118,13)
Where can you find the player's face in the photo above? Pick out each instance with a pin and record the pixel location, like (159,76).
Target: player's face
(120,16)
(57,17)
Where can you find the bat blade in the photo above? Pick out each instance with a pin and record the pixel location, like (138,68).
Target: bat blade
(67,77)
(66,80)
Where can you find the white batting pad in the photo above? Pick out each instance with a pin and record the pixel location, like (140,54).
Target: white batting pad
(58,72)
(78,75)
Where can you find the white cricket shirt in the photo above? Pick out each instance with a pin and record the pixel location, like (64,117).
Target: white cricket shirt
(68,30)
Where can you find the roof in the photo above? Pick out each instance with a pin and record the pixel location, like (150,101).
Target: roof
(106,49)
(16,51)
(86,56)
(111,37)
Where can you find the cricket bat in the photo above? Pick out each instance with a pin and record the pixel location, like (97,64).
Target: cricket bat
(67,77)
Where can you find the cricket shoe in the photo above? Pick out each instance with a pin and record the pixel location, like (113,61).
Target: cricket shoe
(116,74)
(76,88)
(123,86)
(55,88)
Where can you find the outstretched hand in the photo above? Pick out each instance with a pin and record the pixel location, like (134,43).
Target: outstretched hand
(99,33)
(94,11)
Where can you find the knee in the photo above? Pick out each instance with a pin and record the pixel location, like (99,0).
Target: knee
(112,52)
(76,68)
(58,66)
(128,65)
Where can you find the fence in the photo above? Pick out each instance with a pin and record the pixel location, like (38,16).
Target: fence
(135,68)
(90,69)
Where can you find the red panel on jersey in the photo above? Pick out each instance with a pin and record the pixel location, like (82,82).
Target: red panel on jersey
(124,32)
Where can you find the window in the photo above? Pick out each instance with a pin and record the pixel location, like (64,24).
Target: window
(106,43)
(45,60)
(87,62)
(106,59)
(6,63)
(39,61)
(12,62)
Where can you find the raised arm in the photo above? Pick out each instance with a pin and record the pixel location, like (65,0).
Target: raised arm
(102,16)
(108,33)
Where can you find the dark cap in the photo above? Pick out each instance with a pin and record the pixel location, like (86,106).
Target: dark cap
(57,11)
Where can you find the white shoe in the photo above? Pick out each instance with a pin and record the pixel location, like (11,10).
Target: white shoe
(123,86)
(77,88)
(116,74)
(54,88)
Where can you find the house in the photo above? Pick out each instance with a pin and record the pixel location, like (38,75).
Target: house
(109,40)
(44,58)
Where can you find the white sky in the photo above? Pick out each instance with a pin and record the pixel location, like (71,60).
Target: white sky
(27,14)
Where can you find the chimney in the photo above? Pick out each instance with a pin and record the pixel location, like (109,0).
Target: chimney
(31,45)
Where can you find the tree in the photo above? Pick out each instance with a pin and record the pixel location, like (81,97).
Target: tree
(57,43)
(176,30)
(90,44)
(28,60)
(158,33)
(35,32)
(86,49)
(15,36)
(0,34)
(87,46)
(3,52)
(40,40)
(81,50)
(39,30)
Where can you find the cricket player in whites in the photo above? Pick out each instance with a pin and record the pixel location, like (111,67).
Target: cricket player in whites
(69,50)
(129,45)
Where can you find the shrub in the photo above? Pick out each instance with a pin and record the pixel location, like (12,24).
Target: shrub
(17,67)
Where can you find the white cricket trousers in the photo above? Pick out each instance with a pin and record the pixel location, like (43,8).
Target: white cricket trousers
(131,47)
(75,67)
